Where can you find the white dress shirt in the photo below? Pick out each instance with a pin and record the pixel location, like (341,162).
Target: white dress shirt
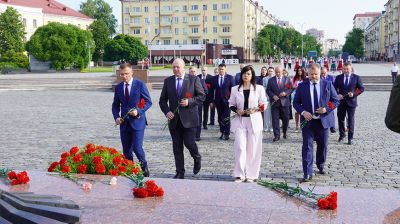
(129,87)
(318,86)
(176,81)
(344,80)
(395,68)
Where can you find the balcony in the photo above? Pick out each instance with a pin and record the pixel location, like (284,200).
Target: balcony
(194,35)
(194,23)
(167,13)
(165,23)
(225,22)
(135,25)
(194,12)
(136,14)
(166,35)
(225,11)
(225,34)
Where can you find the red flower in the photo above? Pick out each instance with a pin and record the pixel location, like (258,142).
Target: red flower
(66,169)
(82,168)
(122,169)
(97,160)
(64,155)
(63,161)
(12,175)
(208,86)
(151,187)
(261,108)
(14,182)
(358,91)
(113,151)
(77,158)
(160,192)
(52,166)
(140,192)
(74,150)
(113,172)
(117,160)
(135,170)
(141,104)
(288,86)
(127,162)
(100,148)
(188,95)
(90,148)
(22,177)
(100,168)
(330,105)
(323,203)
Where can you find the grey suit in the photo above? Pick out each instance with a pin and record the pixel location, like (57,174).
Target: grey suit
(183,127)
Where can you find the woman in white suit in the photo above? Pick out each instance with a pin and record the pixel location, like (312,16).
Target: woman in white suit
(247,126)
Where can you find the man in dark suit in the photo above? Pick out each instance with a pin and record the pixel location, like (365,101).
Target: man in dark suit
(392,119)
(315,99)
(325,76)
(279,89)
(128,96)
(221,90)
(203,114)
(237,76)
(180,96)
(348,86)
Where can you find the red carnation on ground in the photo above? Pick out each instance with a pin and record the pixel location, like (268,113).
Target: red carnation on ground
(135,170)
(323,203)
(64,155)
(117,160)
(66,169)
(74,150)
(113,172)
(329,202)
(90,148)
(141,104)
(122,169)
(330,105)
(100,168)
(14,182)
(151,187)
(12,175)
(63,161)
(22,177)
(52,166)
(188,95)
(97,160)
(113,151)
(159,192)
(140,192)
(77,158)
(82,168)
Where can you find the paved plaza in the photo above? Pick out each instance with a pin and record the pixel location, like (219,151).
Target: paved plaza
(36,126)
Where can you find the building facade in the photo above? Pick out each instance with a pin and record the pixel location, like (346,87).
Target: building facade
(391,33)
(37,13)
(375,39)
(362,20)
(205,24)
(330,44)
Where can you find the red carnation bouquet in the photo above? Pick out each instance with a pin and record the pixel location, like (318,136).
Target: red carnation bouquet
(323,201)
(13,177)
(140,106)
(260,108)
(329,104)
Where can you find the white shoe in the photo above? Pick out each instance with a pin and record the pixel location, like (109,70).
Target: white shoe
(249,180)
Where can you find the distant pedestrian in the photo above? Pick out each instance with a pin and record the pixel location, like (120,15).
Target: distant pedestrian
(395,72)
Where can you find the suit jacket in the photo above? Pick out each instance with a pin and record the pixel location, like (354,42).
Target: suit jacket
(257,97)
(354,84)
(330,78)
(274,90)
(303,102)
(392,119)
(222,94)
(204,83)
(169,100)
(237,78)
(120,105)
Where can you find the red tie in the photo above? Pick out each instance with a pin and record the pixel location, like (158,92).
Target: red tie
(127,92)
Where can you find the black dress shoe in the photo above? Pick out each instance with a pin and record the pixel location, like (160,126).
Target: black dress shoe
(221,137)
(198,139)
(146,172)
(284,136)
(322,171)
(197,165)
(179,176)
(275,139)
(333,130)
(226,137)
(350,142)
(306,178)
(205,127)
(212,123)
(341,138)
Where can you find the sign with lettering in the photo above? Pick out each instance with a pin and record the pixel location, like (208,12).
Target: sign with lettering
(229,52)
(226,61)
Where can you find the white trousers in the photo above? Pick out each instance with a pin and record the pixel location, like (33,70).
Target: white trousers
(248,149)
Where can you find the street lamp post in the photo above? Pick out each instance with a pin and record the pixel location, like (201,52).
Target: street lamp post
(302,40)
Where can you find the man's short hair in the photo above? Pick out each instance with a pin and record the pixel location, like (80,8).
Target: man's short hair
(222,65)
(347,64)
(125,65)
(315,65)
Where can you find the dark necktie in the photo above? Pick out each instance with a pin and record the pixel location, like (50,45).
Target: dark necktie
(315,97)
(221,82)
(346,83)
(178,87)
(127,92)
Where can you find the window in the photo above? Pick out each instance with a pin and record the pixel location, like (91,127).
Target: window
(166,30)
(226,29)
(184,8)
(156,31)
(225,6)
(167,42)
(147,42)
(195,18)
(205,30)
(157,42)
(135,9)
(176,8)
(215,41)
(156,8)
(194,7)
(225,41)
(176,19)
(166,8)
(184,42)
(226,18)
(195,41)
(176,31)
(24,21)
(126,21)
(215,18)
(126,10)
(136,31)
(184,31)
(176,42)
(147,31)
(195,30)
(215,7)
(147,21)
(34,23)
(204,7)
(157,20)
(136,20)
(215,29)
(184,19)
(166,19)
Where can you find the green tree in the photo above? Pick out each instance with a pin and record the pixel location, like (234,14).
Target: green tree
(63,45)
(290,41)
(310,44)
(125,47)
(12,31)
(101,35)
(100,10)
(263,46)
(354,44)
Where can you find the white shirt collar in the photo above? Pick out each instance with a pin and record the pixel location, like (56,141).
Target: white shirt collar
(183,77)
(130,82)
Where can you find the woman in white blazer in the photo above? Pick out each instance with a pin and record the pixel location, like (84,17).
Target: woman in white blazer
(247,126)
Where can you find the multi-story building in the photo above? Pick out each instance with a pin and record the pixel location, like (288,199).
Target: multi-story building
(330,44)
(214,28)
(36,13)
(362,20)
(319,35)
(392,37)
(375,39)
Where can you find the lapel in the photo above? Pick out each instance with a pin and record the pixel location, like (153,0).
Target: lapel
(307,93)
(322,93)
(172,85)
(133,86)
(185,87)
(122,92)
(225,81)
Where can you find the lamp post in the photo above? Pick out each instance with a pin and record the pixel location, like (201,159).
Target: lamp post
(302,40)
(87,44)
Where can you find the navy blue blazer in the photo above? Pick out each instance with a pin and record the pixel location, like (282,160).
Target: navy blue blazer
(302,100)
(237,78)
(221,95)
(274,90)
(204,85)
(329,78)
(354,84)
(120,105)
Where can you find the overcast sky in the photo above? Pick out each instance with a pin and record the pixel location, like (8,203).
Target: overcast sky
(335,17)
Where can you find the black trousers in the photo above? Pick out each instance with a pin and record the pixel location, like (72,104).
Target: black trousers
(344,109)
(394,76)
(223,118)
(278,112)
(183,136)
(198,129)
(212,115)
(206,106)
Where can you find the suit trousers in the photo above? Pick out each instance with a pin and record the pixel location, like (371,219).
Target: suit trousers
(267,118)
(212,115)
(198,129)
(314,130)
(132,142)
(183,136)
(206,106)
(344,109)
(223,118)
(277,113)
(248,150)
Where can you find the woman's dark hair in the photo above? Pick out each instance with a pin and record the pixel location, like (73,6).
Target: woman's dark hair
(264,67)
(297,77)
(253,76)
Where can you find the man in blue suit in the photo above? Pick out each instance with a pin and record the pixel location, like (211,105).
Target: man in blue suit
(348,86)
(221,90)
(315,99)
(329,78)
(237,76)
(131,101)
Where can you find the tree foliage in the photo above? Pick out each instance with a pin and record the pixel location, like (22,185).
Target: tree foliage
(101,35)
(65,46)
(100,10)
(12,31)
(125,47)
(354,44)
